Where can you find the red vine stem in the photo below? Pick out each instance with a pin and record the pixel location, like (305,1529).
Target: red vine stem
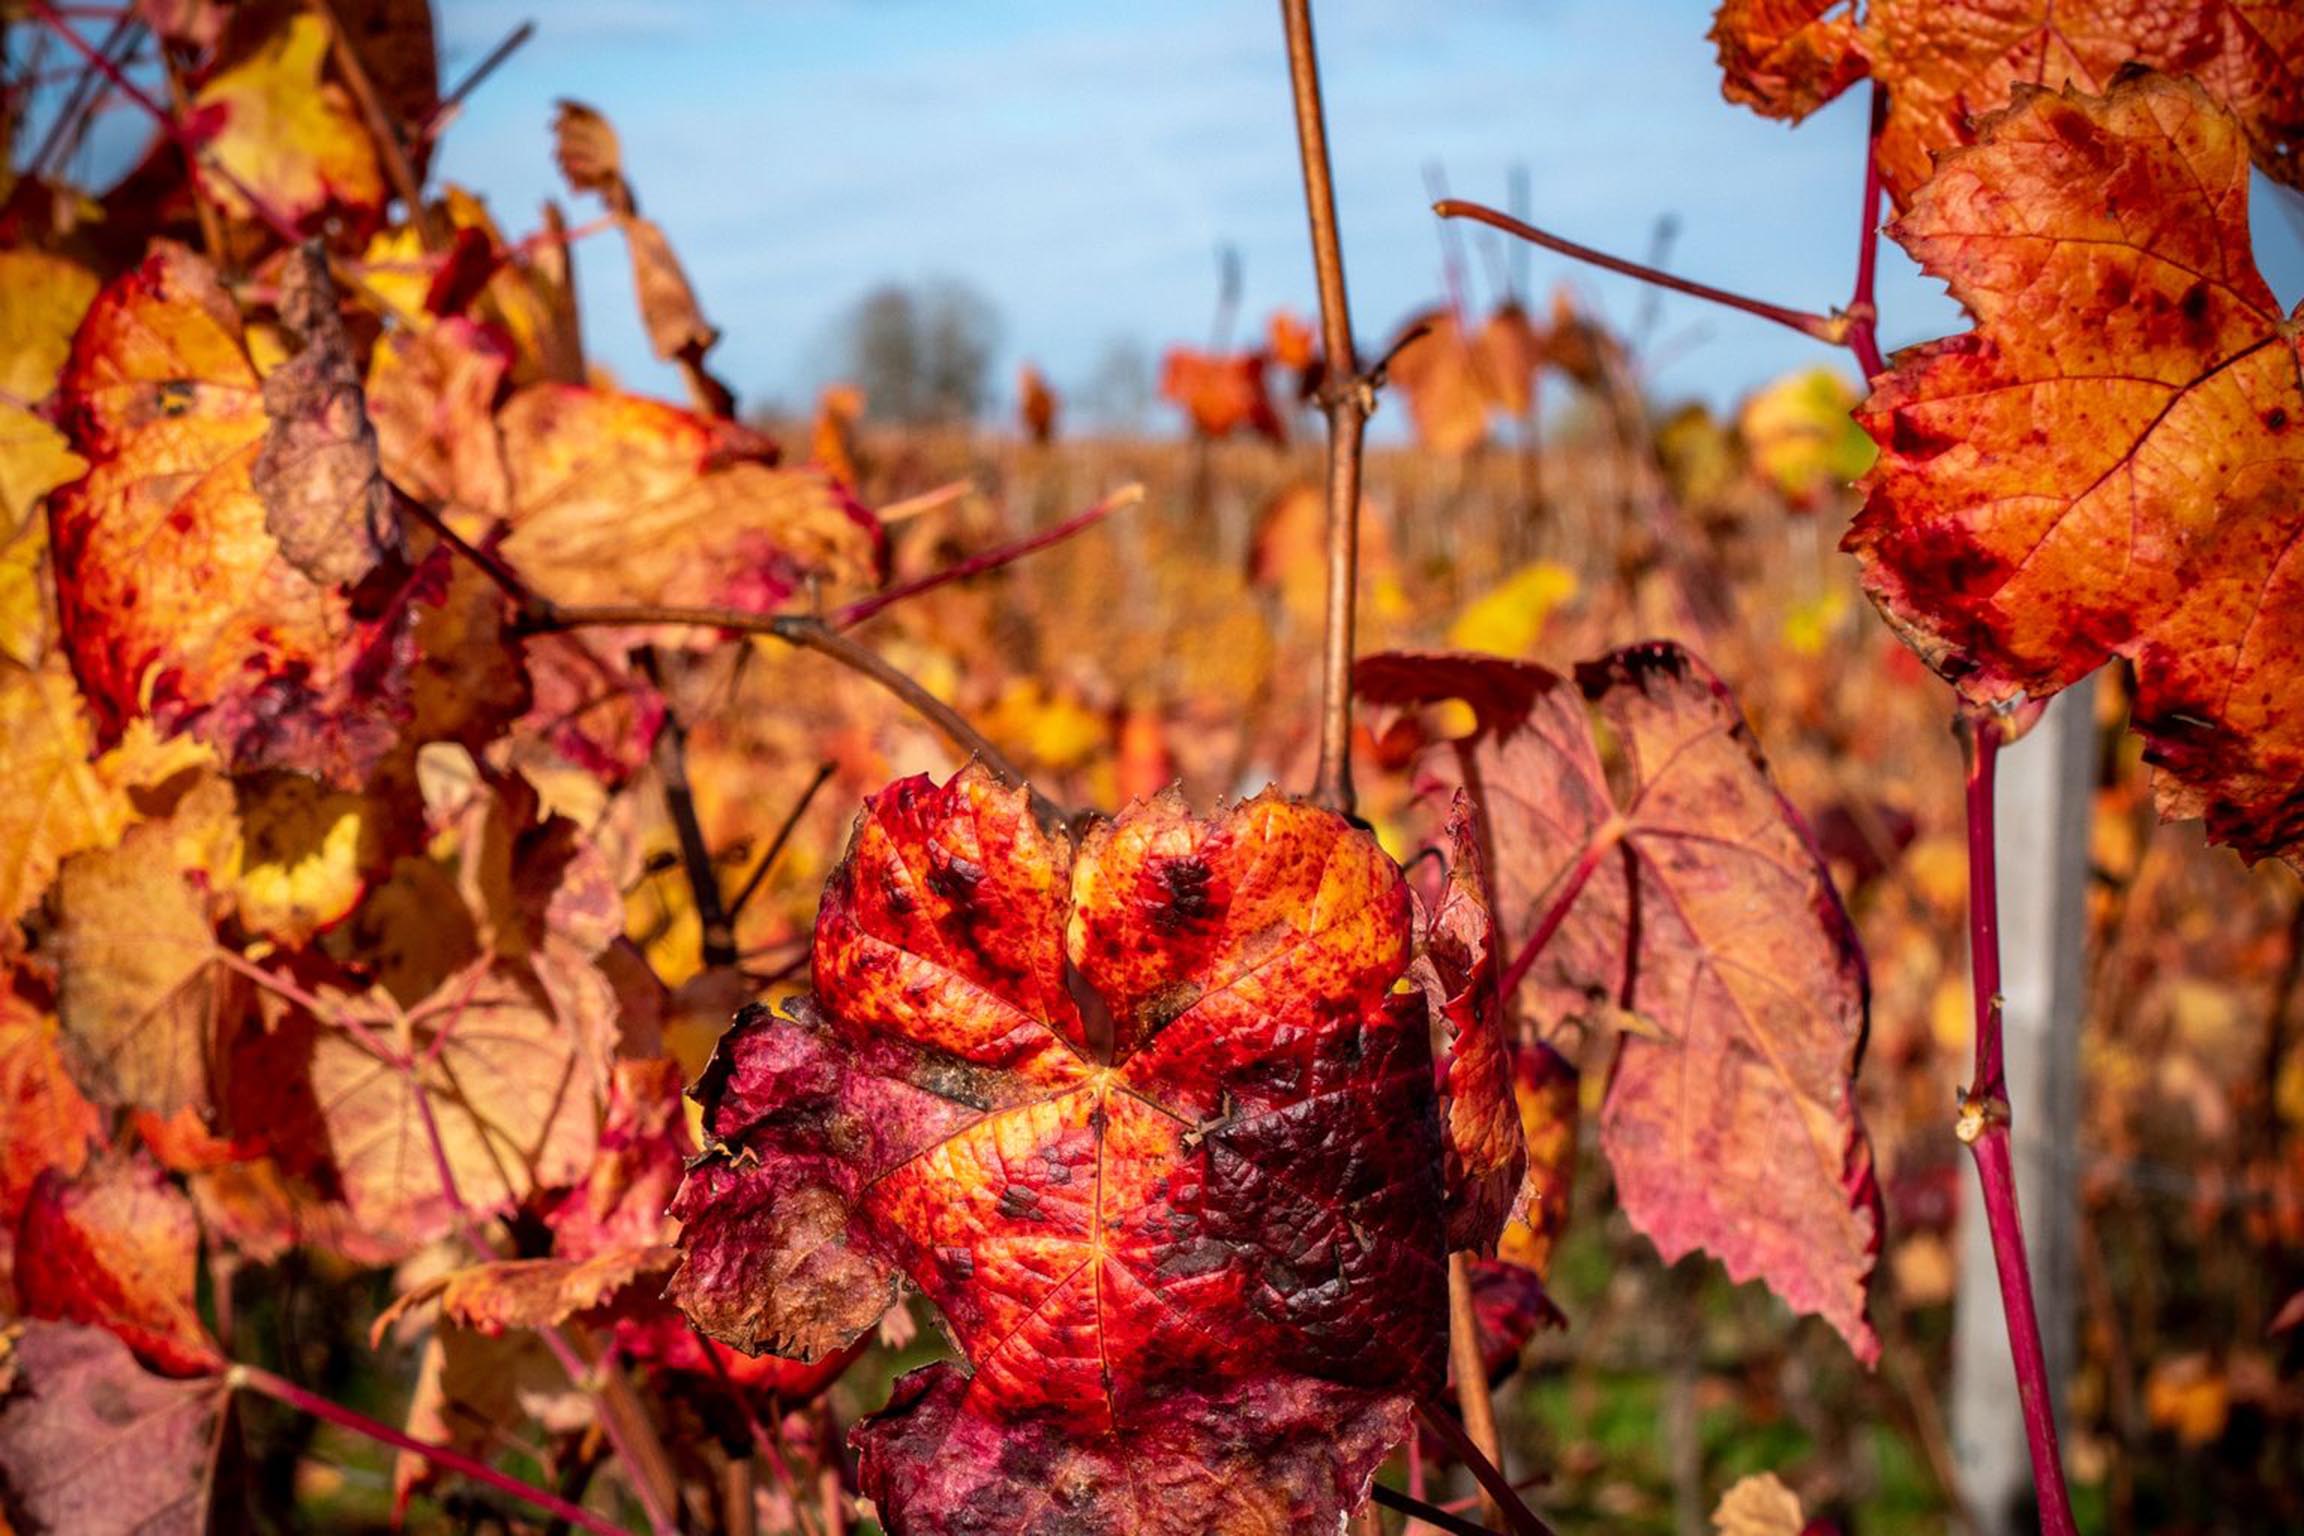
(1984,1125)
(1348,400)
(281,1390)
(990,560)
(1863,310)
(1826,328)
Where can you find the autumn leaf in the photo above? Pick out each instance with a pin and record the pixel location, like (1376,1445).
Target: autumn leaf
(1036,405)
(143,996)
(1802,438)
(49,1124)
(1456,967)
(93,1445)
(117,1246)
(42,298)
(1139,1116)
(1545,1089)
(507,1087)
(1688,898)
(1509,349)
(1440,378)
(325,499)
(178,604)
(1786,58)
(432,396)
(1221,393)
(273,128)
(1759,1505)
(620,499)
(513,1294)
(58,794)
(1948,64)
(2111,463)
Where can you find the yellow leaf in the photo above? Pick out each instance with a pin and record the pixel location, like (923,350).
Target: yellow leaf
(1801,435)
(1811,627)
(1509,619)
(42,298)
(286,135)
(58,798)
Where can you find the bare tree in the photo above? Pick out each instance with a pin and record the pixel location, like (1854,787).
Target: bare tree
(923,353)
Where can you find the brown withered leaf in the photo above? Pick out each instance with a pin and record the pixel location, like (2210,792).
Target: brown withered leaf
(512,1294)
(1705,911)
(91,1444)
(585,147)
(1439,377)
(325,499)
(1759,1505)
(117,1246)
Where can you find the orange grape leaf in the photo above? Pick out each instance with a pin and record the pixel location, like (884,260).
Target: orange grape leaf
(325,499)
(1036,405)
(1288,337)
(2112,462)
(143,995)
(620,499)
(1949,64)
(1786,58)
(93,1444)
(1691,897)
(1509,350)
(432,396)
(49,1124)
(1487,1158)
(276,130)
(117,1246)
(1440,379)
(1222,393)
(1144,1120)
(178,604)
(1546,1089)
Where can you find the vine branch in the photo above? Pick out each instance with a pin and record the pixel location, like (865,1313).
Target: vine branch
(1984,1122)
(1348,401)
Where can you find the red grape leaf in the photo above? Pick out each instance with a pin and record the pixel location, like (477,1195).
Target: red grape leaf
(1786,58)
(1486,1156)
(1145,1121)
(1708,915)
(1947,64)
(325,499)
(49,1124)
(117,1246)
(2112,462)
(177,602)
(620,499)
(93,1445)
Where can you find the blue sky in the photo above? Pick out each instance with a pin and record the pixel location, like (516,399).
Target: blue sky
(1081,163)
